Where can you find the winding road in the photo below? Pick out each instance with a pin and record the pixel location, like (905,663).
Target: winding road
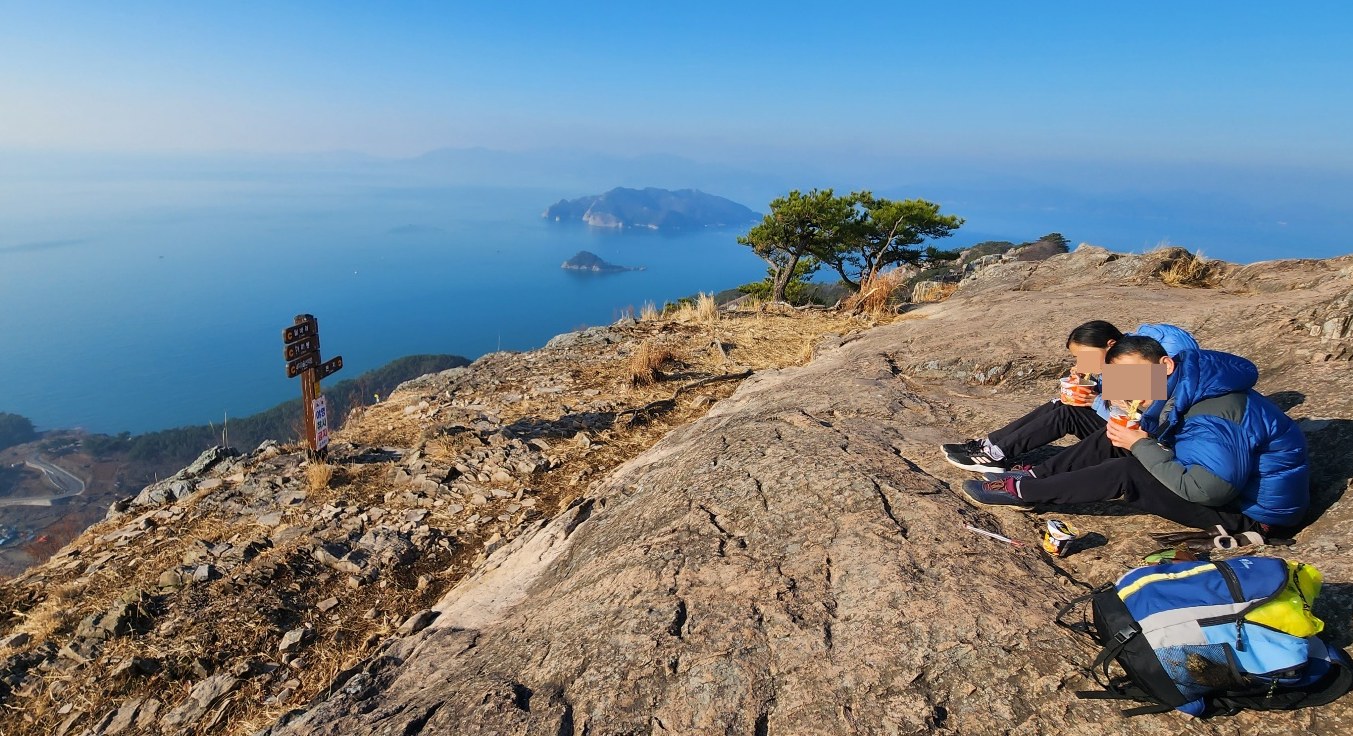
(67,483)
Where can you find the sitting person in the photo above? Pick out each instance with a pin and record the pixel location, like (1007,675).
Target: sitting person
(1221,454)
(1082,416)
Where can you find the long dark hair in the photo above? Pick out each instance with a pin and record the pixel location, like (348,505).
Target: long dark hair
(1095,333)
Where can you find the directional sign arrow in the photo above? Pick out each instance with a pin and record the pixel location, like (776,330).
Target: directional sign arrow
(301,330)
(329,367)
(305,345)
(302,364)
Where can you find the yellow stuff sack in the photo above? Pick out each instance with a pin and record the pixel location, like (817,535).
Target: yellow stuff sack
(1290,610)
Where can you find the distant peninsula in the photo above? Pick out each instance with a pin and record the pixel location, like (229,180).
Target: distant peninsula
(656,209)
(586,261)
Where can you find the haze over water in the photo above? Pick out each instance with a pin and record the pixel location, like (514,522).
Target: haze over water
(163,318)
(141,303)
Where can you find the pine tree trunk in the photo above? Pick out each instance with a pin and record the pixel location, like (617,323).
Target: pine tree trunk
(782,278)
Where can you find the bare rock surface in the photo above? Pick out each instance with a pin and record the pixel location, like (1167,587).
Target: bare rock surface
(797,561)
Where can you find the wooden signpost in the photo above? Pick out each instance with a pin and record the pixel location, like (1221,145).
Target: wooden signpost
(301,341)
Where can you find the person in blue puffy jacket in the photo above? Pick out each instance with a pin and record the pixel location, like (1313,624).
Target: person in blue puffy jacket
(1081,416)
(1219,454)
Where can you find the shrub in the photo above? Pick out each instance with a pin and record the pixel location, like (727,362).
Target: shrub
(878,293)
(646,363)
(318,475)
(1181,268)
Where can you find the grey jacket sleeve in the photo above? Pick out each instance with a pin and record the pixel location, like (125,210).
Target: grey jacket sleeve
(1190,482)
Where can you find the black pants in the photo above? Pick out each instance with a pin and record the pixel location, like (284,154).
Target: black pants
(1094,470)
(1051,421)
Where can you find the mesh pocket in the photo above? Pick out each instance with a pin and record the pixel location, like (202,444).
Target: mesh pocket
(1200,669)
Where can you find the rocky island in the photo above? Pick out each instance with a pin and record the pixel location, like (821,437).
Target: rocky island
(656,209)
(587,261)
(537,543)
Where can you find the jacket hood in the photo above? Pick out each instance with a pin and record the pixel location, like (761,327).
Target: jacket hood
(1205,374)
(1174,339)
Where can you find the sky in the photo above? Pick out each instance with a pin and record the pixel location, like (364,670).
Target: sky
(1248,84)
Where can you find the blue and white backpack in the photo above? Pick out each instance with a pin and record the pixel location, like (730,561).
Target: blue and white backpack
(1211,638)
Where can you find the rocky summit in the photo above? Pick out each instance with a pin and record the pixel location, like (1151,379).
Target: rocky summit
(729,524)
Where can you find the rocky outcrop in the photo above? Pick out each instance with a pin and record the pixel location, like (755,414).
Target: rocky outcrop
(798,562)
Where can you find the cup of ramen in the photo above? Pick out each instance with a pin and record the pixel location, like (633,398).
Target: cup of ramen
(1077,390)
(1123,418)
(1058,537)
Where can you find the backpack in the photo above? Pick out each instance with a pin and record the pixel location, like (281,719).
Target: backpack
(1213,638)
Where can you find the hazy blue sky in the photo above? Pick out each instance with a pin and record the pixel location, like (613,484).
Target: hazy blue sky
(1219,82)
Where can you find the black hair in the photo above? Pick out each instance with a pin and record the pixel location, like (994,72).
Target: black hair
(1095,333)
(1145,347)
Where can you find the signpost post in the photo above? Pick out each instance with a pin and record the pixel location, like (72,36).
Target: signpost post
(301,350)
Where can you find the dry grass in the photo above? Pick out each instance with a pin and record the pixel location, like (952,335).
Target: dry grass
(943,291)
(648,313)
(876,295)
(646,363)
(806,355)
(55,615)
(706,310)
(318,475)
(1183,269)
(702,311)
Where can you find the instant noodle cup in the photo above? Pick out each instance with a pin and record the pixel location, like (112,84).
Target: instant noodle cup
(1058,537)
(1123,418)
(1077,391)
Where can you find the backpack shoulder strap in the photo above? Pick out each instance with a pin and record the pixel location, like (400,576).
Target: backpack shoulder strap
(1072,604)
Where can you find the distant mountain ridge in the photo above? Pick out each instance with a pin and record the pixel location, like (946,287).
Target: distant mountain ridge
(652,208)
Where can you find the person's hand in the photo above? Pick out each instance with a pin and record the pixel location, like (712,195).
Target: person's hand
(1122,437)
(1078,396)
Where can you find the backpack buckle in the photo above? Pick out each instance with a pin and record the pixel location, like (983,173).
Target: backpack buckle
(1123,636)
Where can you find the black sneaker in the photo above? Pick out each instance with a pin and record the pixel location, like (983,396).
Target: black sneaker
(995,493)
(963,448)
(976,460)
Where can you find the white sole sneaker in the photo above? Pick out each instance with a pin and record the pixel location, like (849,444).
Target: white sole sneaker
(969,464)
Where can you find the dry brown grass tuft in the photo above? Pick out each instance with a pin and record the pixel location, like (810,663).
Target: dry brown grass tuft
(646,363)
(1184,269)
(806,356)
(876,294)
(706,310)
(54,615)
(703,310)
(318,475)
(648,313)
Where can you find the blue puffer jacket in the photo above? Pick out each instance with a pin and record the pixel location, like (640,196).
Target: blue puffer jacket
(1175,340)
(1222,443)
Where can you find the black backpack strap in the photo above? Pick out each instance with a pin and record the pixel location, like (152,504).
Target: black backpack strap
(1072,604)
(1125,689)
(1148,710)
(1111,650)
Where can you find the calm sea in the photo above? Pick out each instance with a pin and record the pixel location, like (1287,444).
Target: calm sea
(155,299)
(164,313)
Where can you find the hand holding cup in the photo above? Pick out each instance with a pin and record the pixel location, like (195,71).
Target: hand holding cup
(1077,390)
(1124,427)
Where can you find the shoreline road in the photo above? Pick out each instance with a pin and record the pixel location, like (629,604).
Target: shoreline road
(66,483)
